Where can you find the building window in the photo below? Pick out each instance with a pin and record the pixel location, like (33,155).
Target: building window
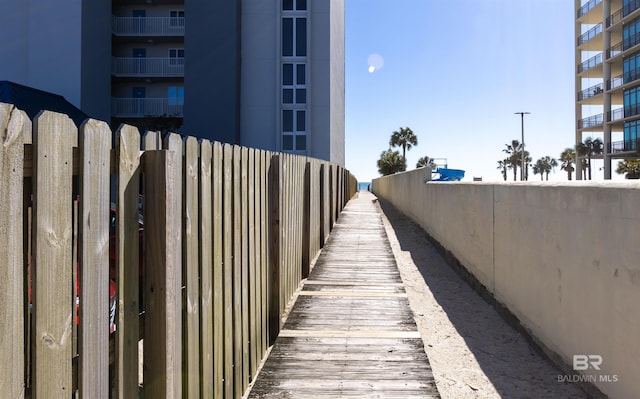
(294,72)
(294,130)
(175,95)
(176,18)
(631,67)
(631,34)
(294,39)
(176,56)
(300,5)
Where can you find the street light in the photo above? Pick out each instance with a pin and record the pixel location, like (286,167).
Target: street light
(522,114)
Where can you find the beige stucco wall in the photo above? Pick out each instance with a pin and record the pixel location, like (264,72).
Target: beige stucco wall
(562,257)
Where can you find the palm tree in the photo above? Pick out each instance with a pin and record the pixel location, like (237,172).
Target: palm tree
(630,167)
(390,163)
(589,148)
(544,166)
(568,158)
(426,161)
(403,138)
(502,166)
(514,155)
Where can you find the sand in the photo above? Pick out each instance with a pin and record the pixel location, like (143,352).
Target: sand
(473,352)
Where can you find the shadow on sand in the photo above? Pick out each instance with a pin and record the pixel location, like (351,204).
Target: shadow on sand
(514,364)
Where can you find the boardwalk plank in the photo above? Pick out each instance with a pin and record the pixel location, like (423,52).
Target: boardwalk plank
(351,332)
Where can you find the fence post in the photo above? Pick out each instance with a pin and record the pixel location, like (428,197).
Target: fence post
(12,345)
(306,221)
(273,292)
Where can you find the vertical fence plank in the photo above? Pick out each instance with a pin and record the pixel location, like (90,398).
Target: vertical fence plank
(227,203)
(161,268)
(264,250)
(12,345)
(217,178)
(244,224)
(173,143)
(191,318)
(95,152)
(127,255)
(237,274)
(273,292)
(252,264)
(53,313)
(206,250)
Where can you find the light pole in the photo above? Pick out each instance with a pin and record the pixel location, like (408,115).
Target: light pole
(522,114)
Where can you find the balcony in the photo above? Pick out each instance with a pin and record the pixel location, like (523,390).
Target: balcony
(622,13)
(587,7)
(590,92)
(590,34)
(147,67)
(146,107)
(624,146)
(590,63)
(592,121)
(148,26)
(623,79)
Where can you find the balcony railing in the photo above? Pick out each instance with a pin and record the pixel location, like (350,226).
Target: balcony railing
(623,12)
(590,34)
(624,78)
(147,67)
(616,114)
(146,107)
(148,26)
(590,92)
(590,63)
(624,45)
(591,121)
(590,5)
(624,146)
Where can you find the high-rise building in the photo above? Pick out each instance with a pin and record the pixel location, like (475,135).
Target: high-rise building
(608,77)
(261,73)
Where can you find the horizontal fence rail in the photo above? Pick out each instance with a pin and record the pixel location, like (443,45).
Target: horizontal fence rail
(144,265)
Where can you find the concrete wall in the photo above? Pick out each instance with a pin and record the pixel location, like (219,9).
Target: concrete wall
(564,258)
(327,52)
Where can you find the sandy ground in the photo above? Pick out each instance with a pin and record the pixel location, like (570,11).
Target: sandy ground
(473,352)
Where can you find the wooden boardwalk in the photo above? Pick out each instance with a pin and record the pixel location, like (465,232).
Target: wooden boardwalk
(351,332)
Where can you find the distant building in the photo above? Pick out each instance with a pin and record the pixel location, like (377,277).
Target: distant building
(608,77)
(261,73)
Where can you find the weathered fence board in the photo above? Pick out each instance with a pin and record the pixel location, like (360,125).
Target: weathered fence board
(244,283)
(53,154)
(205,252)
(127,258)
(228,233)
(191,270)
(219,353)
(95,152)
(227,286)
(12,345)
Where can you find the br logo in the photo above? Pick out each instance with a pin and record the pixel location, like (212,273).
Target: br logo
(586,362)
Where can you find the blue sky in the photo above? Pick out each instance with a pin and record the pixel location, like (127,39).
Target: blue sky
(455,73)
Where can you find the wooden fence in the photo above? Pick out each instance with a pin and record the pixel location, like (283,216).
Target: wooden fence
(228,234)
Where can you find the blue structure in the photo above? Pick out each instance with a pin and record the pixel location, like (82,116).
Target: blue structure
(449,174)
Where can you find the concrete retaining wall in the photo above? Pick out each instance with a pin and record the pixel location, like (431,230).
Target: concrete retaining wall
(564,258)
